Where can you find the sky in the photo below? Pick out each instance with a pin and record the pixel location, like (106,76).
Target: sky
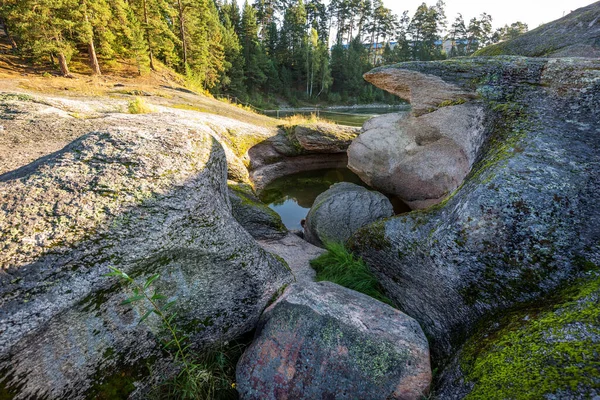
(533,12)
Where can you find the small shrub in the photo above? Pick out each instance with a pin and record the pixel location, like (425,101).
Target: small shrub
(138,106)
(340,266)
(210,375)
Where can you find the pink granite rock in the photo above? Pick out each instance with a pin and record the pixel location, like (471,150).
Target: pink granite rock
(323,341)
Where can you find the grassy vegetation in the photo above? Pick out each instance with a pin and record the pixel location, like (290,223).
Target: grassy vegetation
(299,119)
(138,106)
(212,376)
(340,266)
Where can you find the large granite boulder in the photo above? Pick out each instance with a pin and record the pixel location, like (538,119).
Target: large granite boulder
(143,197)
(526,215)
(574,35)
(343,209)
(420,159)
(298,148)
(322,341)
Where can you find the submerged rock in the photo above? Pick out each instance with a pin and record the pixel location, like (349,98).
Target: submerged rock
(343,209)
(320,340)
(143,197)
(575,35)
(525,216)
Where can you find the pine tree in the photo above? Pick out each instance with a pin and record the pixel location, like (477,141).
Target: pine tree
(457,36)
(232,76)
(47,28)
(6,6)
(252,50)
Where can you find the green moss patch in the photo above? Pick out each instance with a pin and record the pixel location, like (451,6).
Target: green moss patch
(340,266)
(540,352)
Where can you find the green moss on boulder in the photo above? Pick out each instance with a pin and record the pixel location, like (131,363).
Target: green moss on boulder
(552,352)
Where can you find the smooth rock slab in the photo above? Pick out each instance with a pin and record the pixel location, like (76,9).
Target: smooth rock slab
(343,209)
(323,341)
(325,138)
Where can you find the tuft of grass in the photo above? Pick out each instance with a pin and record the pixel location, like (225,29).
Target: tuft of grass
(138,106)
(338,265)
(300,119)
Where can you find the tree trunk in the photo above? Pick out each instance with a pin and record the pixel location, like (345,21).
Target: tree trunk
(182,32)
(372,49)
(93,58)
(92,51)
(13,44)
(376,49)
(150,55)
(64,68)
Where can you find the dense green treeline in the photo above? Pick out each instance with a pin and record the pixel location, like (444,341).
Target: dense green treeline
(305,50)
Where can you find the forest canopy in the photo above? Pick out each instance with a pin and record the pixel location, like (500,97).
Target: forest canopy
(307,50)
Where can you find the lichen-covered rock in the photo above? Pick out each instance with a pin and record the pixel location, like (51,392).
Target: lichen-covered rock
(575,35)
(343,209)
(548,351)
(321,341)
(143,197)
(524,216)
(325,138)
(255,216)
(418,159)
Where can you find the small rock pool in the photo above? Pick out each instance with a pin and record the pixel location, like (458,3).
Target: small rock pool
(292,196)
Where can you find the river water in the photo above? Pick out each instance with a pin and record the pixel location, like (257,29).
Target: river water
(350,116)
(292,196)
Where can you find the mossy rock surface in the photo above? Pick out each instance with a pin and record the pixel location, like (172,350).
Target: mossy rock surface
(257,218)
(548,350)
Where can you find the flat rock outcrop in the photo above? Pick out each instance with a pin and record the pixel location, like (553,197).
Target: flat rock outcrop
(343,209)
(320,340)
(144,197)
(525,219)
(575,35)
(325,138)
(299,148)
(58,121)
(297,252)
